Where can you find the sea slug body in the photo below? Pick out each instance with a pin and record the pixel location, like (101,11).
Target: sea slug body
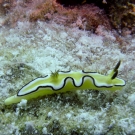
(62,81)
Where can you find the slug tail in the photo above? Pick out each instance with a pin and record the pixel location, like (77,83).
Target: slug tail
(12,100)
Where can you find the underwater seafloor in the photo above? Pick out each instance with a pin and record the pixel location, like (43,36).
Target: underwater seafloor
(30,50)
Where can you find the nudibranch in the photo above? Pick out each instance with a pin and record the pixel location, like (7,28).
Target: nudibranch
(62,81)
